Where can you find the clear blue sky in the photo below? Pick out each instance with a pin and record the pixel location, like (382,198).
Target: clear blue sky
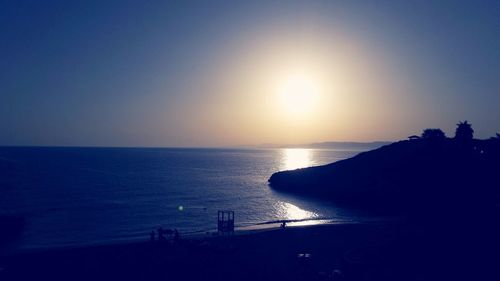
(176,73)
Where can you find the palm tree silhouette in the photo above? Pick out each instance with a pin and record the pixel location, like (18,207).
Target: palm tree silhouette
(464,131)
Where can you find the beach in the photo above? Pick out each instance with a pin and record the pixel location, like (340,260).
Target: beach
(360,251)
(255,255)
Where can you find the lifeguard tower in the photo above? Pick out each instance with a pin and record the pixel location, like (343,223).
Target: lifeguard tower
(225,222)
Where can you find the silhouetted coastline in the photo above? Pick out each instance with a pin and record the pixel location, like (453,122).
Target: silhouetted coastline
(442,174)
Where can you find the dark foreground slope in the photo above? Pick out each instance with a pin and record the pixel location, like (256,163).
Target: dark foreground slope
(423,175)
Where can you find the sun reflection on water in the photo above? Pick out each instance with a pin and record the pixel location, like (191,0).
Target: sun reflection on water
(295,158)
(289,211)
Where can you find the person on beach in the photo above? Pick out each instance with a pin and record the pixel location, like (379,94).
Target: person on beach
(161,233)
(283,225)
(176,235)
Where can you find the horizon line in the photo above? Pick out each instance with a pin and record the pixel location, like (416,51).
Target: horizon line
(242,146)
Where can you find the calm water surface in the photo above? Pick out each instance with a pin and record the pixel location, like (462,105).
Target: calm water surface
(81,196)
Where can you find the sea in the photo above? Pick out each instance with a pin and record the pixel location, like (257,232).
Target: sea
(80,196)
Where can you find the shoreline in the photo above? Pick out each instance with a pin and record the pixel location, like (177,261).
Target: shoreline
(385,251)
(279,247)
(248,229)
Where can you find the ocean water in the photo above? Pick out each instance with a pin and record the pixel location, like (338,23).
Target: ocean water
(83,196)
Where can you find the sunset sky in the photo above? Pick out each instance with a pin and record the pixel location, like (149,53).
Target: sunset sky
(212,73)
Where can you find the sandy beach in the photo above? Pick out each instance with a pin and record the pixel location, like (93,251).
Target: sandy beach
(375,251)
(255,255)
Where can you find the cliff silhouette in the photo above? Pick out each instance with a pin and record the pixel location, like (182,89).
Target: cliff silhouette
(427,174)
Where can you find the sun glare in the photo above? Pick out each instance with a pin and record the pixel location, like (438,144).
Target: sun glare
(295,158)
(291,212)
(298,94)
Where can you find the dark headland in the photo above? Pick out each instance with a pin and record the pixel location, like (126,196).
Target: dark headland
(431,174)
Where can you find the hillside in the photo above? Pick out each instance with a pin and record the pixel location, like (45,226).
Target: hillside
(420,175)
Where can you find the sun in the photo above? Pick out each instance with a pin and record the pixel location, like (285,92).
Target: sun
(298,94)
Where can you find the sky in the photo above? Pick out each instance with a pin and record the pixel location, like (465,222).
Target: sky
(224,73)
